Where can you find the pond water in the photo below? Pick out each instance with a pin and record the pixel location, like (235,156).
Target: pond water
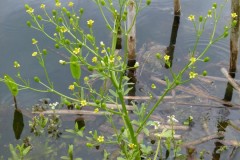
(154,27)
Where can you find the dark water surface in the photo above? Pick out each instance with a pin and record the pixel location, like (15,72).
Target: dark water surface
(154,24)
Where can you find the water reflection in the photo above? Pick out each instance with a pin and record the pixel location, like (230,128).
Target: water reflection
(171,47)
(18,123)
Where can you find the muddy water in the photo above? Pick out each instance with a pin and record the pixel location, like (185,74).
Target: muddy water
(154,26)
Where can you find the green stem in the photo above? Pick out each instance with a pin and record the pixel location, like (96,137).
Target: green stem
(158,148)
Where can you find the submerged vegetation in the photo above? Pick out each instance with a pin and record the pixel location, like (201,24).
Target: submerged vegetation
(109,66)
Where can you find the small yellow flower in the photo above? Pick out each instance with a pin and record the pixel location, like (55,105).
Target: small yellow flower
(191,17)
(96,110)
(42,6)
(234,15)
(111,59)
(83,102)
(86,79)
(63,29)
(90,23)
(192,75)
(131,145)
(100,139)
(71,87)
(30,10)
(166,57)
(34,54)
(76,50)
(103,51)
(16,64)
(34,41)
(94,59)
(119,58)
(193,60)
(153,86)
(70,4)
(58,4)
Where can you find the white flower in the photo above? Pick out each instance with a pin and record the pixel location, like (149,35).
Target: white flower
(53,105)
(62,62)
(172,119)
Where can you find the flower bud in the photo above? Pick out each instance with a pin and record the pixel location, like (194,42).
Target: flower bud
(39,17)
(214,6)
(60,19)
(36,79)
(234,23)
(54,12)
(148,2)
(225,34)
(81,11)
(102,2)
(200,18)
(56,45)
(44,51)
(67,42)
(206,59)
(90,68)
(64,9)
(29,24)
(204,73)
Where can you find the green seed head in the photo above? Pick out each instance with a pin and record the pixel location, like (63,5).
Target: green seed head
(36,79)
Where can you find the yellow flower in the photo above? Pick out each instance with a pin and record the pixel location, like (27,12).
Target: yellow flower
(16,64)
(192,75)
(119,58)
(83,102)
(34,54)
(63,29)
(103,51)
(131,145)
(30,10)
(191,17)
(234,15)
(70,4)
(166,57)
(111,59)
(153,86)
(90,23)
(100,139)
(58,4)
(96,110)
(71,87)
(94,59)
(42,6)
(76,50)
(34,41)
(193,60)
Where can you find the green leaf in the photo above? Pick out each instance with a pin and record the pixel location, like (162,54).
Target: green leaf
(127,90)
(113,93)
(26,150)
(75,67)
(11,84)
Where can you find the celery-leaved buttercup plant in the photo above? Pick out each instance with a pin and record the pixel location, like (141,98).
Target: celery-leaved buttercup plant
(106,65)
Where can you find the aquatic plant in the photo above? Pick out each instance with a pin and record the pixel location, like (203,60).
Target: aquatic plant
(109,67)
